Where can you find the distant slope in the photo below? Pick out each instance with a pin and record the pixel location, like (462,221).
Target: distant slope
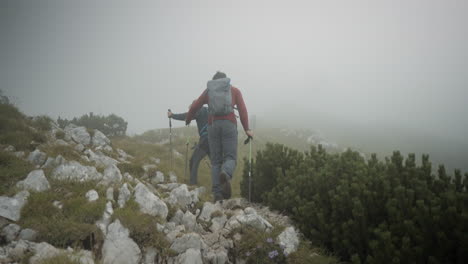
(378,137)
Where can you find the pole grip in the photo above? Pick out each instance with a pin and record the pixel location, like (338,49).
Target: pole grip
(170,123)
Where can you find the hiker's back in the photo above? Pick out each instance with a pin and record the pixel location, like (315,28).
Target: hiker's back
(219,97)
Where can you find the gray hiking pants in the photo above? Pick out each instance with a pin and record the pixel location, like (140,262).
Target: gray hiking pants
(222,137)
(201,150)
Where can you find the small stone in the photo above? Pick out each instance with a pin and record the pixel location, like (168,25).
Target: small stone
(28,234)
(92,195)
(10,232)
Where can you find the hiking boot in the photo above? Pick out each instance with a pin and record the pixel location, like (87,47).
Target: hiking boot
(218,199)
(225,185)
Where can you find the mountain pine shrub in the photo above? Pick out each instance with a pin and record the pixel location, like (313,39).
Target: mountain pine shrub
(367,211)
(111,125)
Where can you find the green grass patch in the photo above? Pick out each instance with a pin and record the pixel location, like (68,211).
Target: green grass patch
(142,152)
(60,134)
(147,146)
(171,209)
(68,152)
(306,254)
(60,259)
(257,246)
(136,170)
(112,154)
(261,247)
(42,123)
(216,213)
(12,170)
(142,228)
(74,224)
(16,129)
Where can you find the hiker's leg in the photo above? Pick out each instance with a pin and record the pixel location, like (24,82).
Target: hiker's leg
(197,156)
(216,157)
(229,142)
(205,145)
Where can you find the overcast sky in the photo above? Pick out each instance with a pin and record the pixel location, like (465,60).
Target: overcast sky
(403,62)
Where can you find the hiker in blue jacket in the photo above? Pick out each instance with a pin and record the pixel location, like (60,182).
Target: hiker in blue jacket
(202,148)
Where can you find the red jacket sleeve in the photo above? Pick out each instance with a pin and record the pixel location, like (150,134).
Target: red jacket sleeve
(244,116)
(203,99)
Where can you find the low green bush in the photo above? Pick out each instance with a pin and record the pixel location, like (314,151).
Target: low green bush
(368,211)
(257,246)
(18,130)
(74,224)
(12,170)
(142,228)
(60,259)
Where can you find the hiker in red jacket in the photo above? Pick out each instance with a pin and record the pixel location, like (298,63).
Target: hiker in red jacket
(221,98)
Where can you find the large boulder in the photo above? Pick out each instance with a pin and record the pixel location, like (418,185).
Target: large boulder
(79,147)
(106,218)
(16,250)
(54,162)
(28,234)
(37,157)
(123,155)
(100,159)
(217,223)
(99,139)
(175,233)
(73,170)
(111,175)
(181,196)
(178,217)
(124,195)
(189,221)
(150,203)
(288,240)
(36,181)
(188,241)
(118,247)
(10,207)
(251,218)
(43,251)
(110,194)
(78,134)
(158,178)
(248,217)
(172,177)
(10,232)
(92,195)
(61,142)
(218,256)
(197,193)
(208,209)
(191,256)
(150,255)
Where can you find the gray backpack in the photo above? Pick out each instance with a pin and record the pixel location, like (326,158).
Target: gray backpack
(220,97)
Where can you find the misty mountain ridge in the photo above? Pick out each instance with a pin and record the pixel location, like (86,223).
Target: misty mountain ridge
(378,137)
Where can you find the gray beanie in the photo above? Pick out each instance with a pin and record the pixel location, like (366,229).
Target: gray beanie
(219,75)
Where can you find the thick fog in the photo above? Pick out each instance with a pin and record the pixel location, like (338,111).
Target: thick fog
(393,64)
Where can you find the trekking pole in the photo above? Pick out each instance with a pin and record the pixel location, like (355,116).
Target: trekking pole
(170,141)
(186,155)
(249,140)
